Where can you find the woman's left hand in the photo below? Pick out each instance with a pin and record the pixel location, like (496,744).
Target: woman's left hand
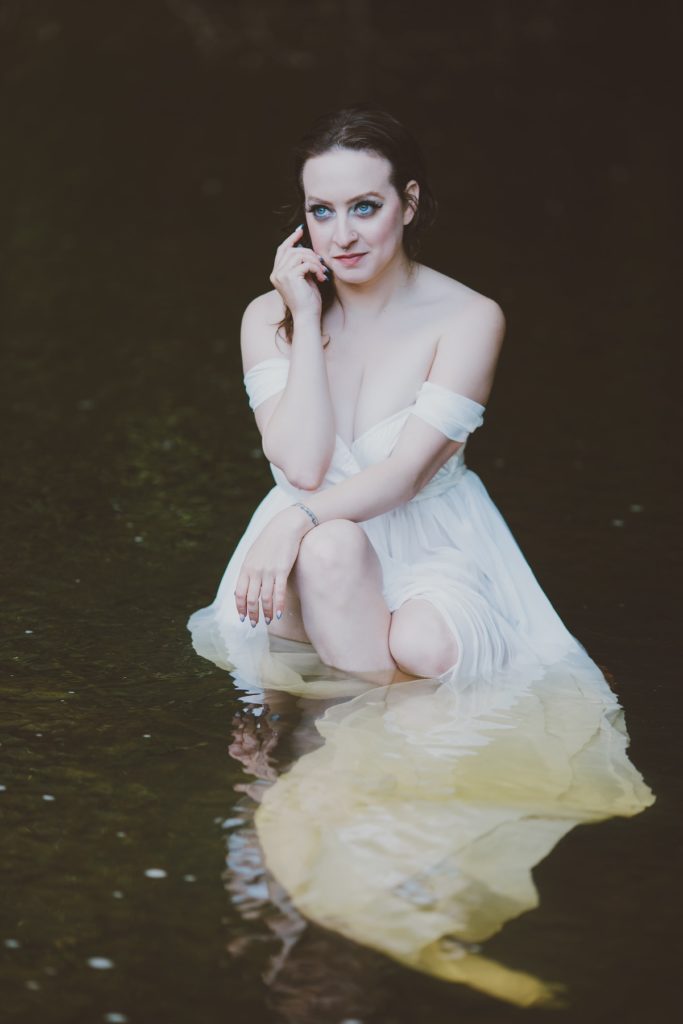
(268,563)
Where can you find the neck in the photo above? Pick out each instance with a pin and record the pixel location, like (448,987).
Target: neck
(366,300)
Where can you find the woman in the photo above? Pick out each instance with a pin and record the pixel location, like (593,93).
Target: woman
(367,371)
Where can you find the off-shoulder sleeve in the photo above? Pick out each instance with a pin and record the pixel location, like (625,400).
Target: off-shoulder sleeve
(265,379)
(455,415)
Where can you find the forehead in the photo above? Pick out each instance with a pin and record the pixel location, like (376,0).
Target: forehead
(341,173)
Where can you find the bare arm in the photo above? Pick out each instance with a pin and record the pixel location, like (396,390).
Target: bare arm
(296,425)
(465,362)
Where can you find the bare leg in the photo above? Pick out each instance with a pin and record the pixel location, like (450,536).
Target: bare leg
(420,639)
(339,583)
(291,625)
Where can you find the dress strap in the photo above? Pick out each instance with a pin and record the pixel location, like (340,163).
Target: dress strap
(455,415)
(265,379)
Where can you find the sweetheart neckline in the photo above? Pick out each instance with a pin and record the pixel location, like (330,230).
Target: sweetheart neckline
(391,416)
(379,423)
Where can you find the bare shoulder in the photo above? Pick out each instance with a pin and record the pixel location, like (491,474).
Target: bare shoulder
(471,332)
(460,308)
(259,337)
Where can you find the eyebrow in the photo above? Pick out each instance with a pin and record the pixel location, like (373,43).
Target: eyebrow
(325,202)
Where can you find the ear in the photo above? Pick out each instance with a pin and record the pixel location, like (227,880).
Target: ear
(410,205)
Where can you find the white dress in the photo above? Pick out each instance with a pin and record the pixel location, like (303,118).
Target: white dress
(414,828)
(448,544)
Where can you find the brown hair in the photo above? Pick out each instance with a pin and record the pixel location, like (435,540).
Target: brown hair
(363,127)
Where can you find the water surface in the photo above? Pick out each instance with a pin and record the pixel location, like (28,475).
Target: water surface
(144,155)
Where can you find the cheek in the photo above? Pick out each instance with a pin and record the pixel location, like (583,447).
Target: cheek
(320,234)
(384,231)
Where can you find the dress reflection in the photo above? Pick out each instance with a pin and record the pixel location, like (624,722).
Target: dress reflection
(311,974)
(408,818)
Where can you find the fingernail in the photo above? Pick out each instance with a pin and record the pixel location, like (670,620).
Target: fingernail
(278,614)
(242,618)
(253,622)
(268,621)
(321,260)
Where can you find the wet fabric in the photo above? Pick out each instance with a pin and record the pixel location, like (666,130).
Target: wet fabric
(414,828)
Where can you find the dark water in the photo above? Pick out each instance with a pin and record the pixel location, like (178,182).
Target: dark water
(144,152)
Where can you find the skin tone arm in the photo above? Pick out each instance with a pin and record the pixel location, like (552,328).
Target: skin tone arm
(465,362)
(301,447)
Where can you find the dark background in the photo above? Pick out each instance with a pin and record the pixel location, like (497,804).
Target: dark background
(144,153)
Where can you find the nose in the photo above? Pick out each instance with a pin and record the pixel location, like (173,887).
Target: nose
(344,233)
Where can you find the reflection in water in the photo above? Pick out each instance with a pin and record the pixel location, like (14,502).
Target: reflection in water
(408,818)
(310,977)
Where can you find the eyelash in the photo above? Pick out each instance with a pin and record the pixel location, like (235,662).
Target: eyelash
(364,202)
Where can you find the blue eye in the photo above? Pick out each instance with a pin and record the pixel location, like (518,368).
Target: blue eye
(368,208)
(371,204)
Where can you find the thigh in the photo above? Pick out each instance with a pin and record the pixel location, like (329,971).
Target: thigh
(336,547)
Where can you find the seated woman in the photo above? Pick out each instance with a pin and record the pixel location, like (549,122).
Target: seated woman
(367,371)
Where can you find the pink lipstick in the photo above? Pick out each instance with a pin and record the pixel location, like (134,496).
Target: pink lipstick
(351,260)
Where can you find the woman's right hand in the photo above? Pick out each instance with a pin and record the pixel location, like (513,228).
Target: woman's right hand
(290,276)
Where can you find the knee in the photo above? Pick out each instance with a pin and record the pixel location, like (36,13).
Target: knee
(420,641)
(332,549)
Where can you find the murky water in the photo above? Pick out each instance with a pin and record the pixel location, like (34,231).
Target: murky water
(144,152)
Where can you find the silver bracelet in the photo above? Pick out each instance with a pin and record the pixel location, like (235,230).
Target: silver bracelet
(308,511)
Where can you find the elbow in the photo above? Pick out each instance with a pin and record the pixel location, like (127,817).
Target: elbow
(304,480)
(304,476)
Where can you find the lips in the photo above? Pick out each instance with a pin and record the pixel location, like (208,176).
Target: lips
(351,259)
